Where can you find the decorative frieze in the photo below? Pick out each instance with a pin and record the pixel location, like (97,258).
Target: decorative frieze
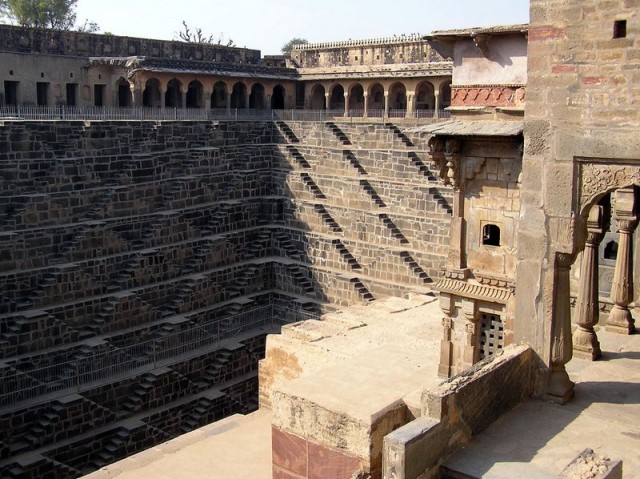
(488,95)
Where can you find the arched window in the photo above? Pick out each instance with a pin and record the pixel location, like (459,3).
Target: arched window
(491,235)
(611,250)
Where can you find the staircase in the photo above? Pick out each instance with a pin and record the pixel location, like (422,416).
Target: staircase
(415,267)
(362,290)
(138,397)
(346,256)
(404,138)
(287,132)
(68,246)
(327,218)
(113,449)
(194,419)
(351,158)
(97,209)
(372,193)
(215,373)
(422,167)
(295,153)
(393,228)
(315,189)
(441,200)
(338,133)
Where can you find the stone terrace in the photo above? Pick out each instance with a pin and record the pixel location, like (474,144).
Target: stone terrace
(128,246)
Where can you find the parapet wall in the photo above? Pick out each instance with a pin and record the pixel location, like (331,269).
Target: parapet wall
(78,44)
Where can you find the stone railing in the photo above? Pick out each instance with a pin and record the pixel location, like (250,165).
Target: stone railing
(412,38)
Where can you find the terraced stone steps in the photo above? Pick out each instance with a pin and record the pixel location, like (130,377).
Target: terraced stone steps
(327,218)
(391,226)
(287,131)
(415,267)
(338,133)
(295,153)
(345,254)
(398,132)
(370,190)
(312,186)
(362,290)
(351,158)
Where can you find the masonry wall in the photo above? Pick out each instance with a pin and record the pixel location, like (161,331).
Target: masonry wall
(581,142)
(127,246)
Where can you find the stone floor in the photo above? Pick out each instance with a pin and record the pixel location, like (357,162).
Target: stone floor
(535,440)
(539,439)
(237,447)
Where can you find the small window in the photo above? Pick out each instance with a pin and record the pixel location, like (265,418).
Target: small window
(620,29)
(611,250)
(491,235)
(356,58)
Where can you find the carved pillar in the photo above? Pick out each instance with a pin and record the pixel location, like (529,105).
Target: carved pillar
(585,341)
(560,387)
(366,105)
(247,99)
(620,320)
(346,104)
(207,100)
(228,104)
(326,101)
(446,346)
(436,113)
(469,353)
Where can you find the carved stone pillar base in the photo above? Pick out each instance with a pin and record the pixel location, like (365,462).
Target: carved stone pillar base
(586,344)
(620,321)
(560,387)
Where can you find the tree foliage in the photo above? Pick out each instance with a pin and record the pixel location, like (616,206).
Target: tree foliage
(54,14)
(287,47)
(197,36)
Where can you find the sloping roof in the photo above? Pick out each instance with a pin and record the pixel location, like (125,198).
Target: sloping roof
(160,65)
(470,32)
(472,128)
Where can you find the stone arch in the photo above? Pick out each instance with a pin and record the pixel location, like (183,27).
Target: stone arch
(152,96)
(356,97)
(238,94)
(445,95)
(425,96)
(277,98)
(173,95)
(398,96)
(257,98)
(195,93)
(219,95)
(336,98)
(317,99)
(123,90)
(376,97)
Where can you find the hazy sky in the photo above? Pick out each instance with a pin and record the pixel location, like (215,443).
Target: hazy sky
(268,24)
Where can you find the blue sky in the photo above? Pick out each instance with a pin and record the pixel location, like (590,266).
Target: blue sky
(268,24)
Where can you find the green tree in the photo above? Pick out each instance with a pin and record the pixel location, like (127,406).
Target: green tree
(54,14)
(287,47)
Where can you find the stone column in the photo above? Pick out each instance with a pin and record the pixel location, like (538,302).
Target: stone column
(386,104)
(207,99)
(163,97)
(446,346)
(183,96)
(559,386)
(366,105)
(620,320)
(228,103)
(326,101)
(136,93)
(247,97)
(436,113)
(470,351)
(585,341)
(411,104)
(346,104)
